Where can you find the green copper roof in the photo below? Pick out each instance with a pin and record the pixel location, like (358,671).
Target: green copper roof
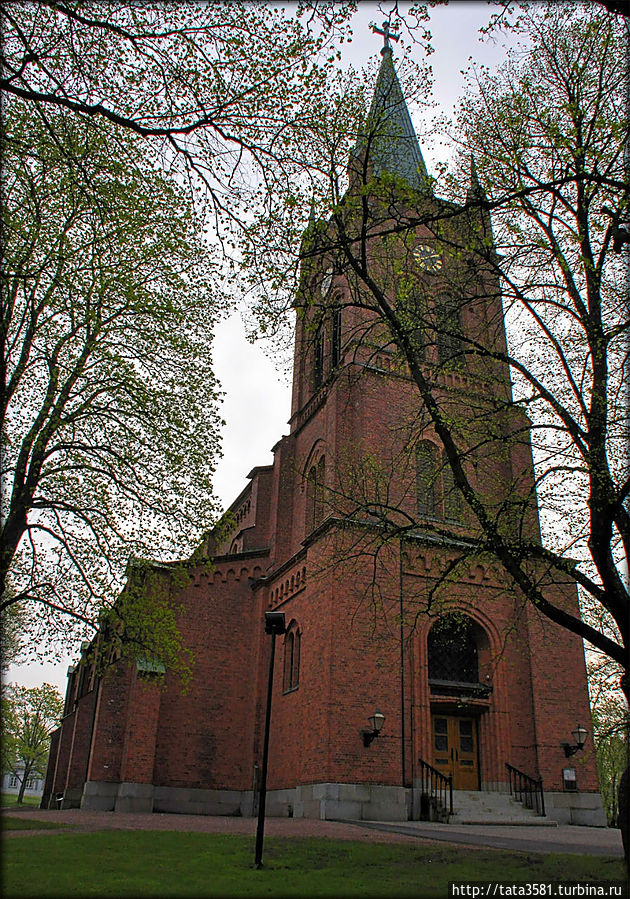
(394,147)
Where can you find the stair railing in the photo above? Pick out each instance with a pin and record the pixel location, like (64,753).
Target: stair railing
(527,790)
(436,786)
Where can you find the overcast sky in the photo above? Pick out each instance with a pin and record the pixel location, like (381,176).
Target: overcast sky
(257,399)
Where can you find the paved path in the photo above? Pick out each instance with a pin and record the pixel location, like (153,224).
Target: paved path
(90,821)
(580,840)
(564,838)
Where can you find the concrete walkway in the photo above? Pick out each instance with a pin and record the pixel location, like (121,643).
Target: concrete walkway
(563,838)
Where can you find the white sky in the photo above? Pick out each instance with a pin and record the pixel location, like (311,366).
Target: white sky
(257,400)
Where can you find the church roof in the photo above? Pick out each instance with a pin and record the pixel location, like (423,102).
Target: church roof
(393,143)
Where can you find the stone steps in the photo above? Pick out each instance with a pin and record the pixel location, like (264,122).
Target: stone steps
(479,807)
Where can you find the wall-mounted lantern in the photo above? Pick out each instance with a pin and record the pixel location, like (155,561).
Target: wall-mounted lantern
(376,723)
(579,735)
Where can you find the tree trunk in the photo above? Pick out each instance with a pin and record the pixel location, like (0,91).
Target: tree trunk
(23,785)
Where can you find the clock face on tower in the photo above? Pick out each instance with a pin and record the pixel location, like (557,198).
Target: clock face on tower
(427,257)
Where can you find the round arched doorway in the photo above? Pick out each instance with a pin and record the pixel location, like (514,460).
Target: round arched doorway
(454,645)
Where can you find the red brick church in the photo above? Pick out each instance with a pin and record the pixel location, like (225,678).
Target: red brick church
(474,689)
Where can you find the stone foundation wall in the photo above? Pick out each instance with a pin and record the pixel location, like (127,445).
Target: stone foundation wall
(585,809)
(324,801)
(355,802)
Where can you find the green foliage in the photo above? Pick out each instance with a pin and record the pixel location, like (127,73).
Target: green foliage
(613,758)
(611,728)
(140,864)
(109,414)
(13,625)
(142,623)
(216,89)
(134,136)
(29,715)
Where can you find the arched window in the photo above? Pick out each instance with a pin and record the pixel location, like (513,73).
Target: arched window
(318,358)
(415,306)
(438,495)
(449,330)
(452,495)
(292,658)
(315,494)
(427,466)
(452,648)
(335,341)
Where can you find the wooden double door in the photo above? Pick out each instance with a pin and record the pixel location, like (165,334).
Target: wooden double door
(456,749)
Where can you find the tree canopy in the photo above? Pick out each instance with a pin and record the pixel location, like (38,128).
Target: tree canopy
(549,134)
(109,413)
(29,716)
(136,137)
(217,85)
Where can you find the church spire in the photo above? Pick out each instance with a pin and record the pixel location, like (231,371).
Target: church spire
(479,207)
(388,134)
(475,191)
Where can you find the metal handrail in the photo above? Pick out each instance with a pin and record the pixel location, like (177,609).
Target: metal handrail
(437,785)
(526,789)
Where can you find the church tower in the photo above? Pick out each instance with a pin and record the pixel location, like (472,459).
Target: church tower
(401,611)
(359,534)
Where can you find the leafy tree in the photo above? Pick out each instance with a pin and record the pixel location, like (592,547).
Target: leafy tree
(219,85)
(610,736)
(546,200)
(12,627)
(29,716)
(549,136)
(108,412)
(132,133)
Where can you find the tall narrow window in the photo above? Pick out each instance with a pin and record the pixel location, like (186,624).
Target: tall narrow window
(311,493)
(315,495)
(319,491)
(292,658)
(452,495)
(427,462)
(318,360)
(438,495)
(449,330)
(335,343)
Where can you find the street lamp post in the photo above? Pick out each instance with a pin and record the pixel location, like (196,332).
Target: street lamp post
(274,624)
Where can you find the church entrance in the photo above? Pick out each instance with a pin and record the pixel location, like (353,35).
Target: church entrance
(455,749)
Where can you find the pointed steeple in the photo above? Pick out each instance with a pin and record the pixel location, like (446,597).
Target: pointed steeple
(475,191)
(388,134)
(479,212)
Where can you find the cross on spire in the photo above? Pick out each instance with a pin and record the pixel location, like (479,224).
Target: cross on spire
(387,35)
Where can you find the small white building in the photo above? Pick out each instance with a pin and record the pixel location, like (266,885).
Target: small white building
(34,784)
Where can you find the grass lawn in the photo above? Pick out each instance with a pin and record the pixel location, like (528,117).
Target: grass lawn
(152,864)
(10,823)
(9,800)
